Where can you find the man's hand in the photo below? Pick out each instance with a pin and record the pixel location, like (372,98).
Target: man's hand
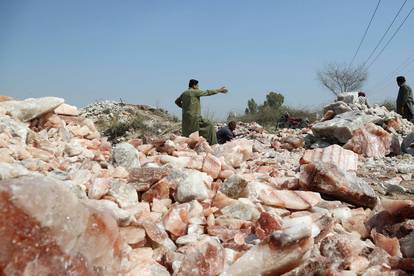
(223,89)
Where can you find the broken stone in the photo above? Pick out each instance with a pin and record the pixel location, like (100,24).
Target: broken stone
(289,249)
(295,200)
(337,107)
(100,187)
(234,187)
(30,109)
(47,230)
(342,126)
(205,257)
(344,159)
(176,219)
(127,156)
(132,235)
(235,152)
(211,166)
(66,109)
(74,148)
(370,141)
(194,186)
(124,194)
(8,171)
(241,209)
(332,181)
(144,178)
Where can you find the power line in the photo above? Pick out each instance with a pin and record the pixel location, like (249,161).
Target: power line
(391,38)
(401,66)
(385,33)
(365,33)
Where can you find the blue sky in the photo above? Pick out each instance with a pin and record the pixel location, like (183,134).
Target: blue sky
(145,51)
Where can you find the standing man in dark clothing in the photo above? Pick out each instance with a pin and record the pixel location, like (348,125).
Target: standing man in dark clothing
(189,102)
(226,134)
(404,99)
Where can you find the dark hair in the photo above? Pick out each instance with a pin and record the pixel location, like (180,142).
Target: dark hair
(361,94)
(400,79)
(192,83)
(232,124)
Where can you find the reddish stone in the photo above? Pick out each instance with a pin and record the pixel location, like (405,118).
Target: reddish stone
(46,230)
(203,258)
(266,224)
(161,190)
(212,166)
(370,141)
(342,158)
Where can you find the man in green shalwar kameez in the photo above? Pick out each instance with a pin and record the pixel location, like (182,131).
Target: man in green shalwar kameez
(189,102)
(404,99)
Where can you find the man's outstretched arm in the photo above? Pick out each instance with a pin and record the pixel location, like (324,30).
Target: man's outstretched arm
(209,92)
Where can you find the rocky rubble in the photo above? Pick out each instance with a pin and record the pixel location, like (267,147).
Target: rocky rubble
(73,203)
(121,121)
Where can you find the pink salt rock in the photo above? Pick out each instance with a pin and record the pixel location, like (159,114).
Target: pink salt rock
(292,142)
(160,190)
(266,224)
(211,166)
(132,235)
(370,141)
(235,152)
(176,219)
(100,187)
(45,229)
(66,109)
(144,264)
(147,175)
(356,221)
(390,245)
(342,158)
(330,180)
(205,257)
(226,174)
(290,249)
(156,232)
(295,200)
(136,142)
(145,148)
(120,172)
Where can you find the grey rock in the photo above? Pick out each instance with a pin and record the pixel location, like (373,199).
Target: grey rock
(338,107)
(393,188)
(234,186)
(341,127)
(407,245)
(126,155)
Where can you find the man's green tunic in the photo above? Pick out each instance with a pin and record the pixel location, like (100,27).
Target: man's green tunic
(405,102)
(192,121)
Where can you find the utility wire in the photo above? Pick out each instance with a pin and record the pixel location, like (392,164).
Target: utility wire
(391,38)
(384,35)
(401,66)
(365,33)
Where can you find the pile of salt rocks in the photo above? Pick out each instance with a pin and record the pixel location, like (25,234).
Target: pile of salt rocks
(70,203)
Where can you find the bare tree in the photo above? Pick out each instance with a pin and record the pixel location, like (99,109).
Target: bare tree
(340,78)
